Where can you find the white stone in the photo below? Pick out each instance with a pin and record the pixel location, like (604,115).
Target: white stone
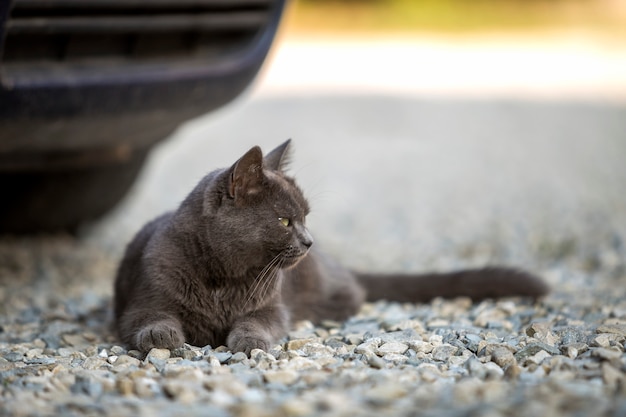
(286,376)
(392,347)
(161,354)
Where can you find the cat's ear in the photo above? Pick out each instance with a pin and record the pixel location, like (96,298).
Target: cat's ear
(246,175)
(278,159)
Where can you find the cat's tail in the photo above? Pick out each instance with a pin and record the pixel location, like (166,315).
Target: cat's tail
(478,284)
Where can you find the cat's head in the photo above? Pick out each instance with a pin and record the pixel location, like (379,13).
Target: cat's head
(258,212)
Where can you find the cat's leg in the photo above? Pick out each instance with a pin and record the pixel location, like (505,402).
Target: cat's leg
(340,303)
(144,330)
(259,329)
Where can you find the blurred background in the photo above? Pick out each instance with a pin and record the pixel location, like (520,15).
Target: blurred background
(558,48)
(432,134)
(600,17)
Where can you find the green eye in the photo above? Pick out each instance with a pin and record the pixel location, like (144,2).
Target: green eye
(285,221)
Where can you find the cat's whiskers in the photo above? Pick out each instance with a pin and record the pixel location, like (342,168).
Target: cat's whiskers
(258,282)
(269,283)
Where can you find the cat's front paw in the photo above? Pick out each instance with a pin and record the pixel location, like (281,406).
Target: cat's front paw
(159,335)
(247,343)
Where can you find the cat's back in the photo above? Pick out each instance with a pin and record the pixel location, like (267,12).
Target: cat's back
(130,271)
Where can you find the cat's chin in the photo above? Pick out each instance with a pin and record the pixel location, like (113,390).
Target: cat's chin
(289,262)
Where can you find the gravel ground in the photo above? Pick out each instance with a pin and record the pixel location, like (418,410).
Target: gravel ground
(396,184)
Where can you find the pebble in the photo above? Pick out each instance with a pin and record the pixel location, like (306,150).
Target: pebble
(188,354)
(127,360)
(159,354)
(313,349)
(476,368)
(94,362)
(503,357)
(13,357)
(146,387)
(542,332)
(222,357)
(429,372)
(395,357)
(435,340)
(612,376)
(369,346)
(214,362)
(299,363)
(392,347)
(376,362)
(572,350)
(492,371)
(533,348)
(421,346)
(181,390)
(42,361)
(65,352)
(238,357)
(386,394)
(619,329)
(444,352)
(299,343)
(286,377)
(297,407)
(124,386)
(87,385)
(74,340)
(512,372)
(538,357)
(606,354)
(603,340)
(117,350)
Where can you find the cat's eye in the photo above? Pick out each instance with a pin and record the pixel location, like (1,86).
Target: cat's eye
(285,221)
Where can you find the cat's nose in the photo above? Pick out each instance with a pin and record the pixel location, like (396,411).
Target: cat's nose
(306,239)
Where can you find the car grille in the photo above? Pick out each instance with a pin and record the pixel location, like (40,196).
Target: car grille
(66,31)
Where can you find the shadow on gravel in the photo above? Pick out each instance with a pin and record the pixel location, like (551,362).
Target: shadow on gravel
(56,289)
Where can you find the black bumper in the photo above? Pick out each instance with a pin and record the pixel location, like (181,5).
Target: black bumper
(88,86)
(121,73)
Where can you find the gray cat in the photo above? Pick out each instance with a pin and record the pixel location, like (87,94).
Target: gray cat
(235,265)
